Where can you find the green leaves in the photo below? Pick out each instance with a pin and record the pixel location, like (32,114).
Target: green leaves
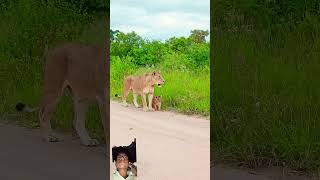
(261,13)
(199,36)
(177,52)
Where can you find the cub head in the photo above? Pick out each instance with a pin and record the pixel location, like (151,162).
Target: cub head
(157,79)
(157,98)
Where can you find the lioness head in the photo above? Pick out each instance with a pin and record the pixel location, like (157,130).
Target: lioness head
(157,79)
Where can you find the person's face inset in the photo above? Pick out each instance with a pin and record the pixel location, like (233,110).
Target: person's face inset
(122,161)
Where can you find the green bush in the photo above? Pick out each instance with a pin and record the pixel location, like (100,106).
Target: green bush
(150,53)
(265,95)
(27,27)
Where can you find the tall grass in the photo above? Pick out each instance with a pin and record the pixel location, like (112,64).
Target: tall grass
(266,96)
(27,27)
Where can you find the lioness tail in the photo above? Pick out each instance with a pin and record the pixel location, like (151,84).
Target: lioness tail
(20,107)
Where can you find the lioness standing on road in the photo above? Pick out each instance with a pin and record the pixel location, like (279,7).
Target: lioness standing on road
(141,86)
(83,70)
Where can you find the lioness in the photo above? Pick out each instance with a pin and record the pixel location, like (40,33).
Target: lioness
(156,103)
(84,71)
(142,85)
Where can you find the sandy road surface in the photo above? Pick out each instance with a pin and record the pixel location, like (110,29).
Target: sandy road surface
(170,146)
(24,156)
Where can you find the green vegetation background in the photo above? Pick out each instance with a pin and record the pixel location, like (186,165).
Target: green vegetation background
(27,28)
(182,61)
(265,82)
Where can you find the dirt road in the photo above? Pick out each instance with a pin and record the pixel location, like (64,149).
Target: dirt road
(169,146)
(172,146)
(23,155)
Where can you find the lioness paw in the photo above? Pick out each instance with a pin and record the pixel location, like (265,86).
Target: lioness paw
(91,142)
(51,138)
(125,104)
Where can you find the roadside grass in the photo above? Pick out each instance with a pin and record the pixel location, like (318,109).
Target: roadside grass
(266,99)
(27,28)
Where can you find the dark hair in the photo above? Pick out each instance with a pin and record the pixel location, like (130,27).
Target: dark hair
(130,151)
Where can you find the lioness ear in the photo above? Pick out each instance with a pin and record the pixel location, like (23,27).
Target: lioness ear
(154,73)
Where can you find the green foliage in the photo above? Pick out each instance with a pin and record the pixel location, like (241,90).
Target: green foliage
(123,44)
(193,50)
(184,65)
(179,44)
(149,53)
(199,36)
(185,91)
(27,27)
(177,61)
(113,34)
(198,54)
(262,13)
(90,6)
(265,95)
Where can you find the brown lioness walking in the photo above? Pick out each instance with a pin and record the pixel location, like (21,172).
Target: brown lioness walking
(141,86)
(84,71)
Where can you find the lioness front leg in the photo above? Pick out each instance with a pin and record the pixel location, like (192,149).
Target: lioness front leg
(80,126)
(135,97)
(144,102)
(150,102)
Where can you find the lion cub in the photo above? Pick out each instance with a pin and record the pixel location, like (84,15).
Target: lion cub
(156,103)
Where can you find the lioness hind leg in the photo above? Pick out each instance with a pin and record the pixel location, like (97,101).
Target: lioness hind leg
(126,90)
(135,98)
(45,114)
(80,109)
(124,98)
(144,102)
(104,108)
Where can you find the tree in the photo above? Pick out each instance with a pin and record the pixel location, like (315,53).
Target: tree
(123,43)
(198,36)
(180,44)
(113,34)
